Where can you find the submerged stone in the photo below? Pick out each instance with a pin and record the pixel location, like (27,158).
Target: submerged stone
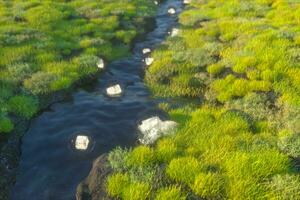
(82,142)
(114,91)
(154,128)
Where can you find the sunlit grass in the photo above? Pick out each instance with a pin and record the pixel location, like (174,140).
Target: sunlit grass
(46,47)
(239,61)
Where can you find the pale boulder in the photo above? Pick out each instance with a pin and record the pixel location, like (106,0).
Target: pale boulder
(154,128)
(82,142)
(146,50)
(172,11)
(149,61)
(114,91)
(174,32)
(100,64)
(168,126)
(187,2)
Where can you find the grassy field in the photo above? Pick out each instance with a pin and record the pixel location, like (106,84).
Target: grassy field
(240,60)
(47,46)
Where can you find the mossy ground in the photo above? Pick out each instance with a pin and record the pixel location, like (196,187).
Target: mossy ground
(47,46)
(240,59)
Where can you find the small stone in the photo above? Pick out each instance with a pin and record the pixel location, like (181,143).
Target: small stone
(156,2)
(149,61)
(174,32)
(114,91)
(100,64)
(172,11)
(146,50)
(82,142)
(187,1)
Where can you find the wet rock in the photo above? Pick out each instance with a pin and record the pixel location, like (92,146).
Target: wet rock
(154,128)
(187,2)
(172,11)
(93,187)
(149,61)
(114,91)
(82,142)
(146,50)
(174,32)
(100,64)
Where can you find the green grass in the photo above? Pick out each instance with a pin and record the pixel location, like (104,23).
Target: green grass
(23,106)
(232,81)
(170,193)
(47,46)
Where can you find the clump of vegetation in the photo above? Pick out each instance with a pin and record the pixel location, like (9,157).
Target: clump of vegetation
(46,47)
(210,186)
(170,193)
(6,125)
(23,106)
(232,77)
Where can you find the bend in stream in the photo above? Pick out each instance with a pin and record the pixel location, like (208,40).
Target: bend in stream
(50,168)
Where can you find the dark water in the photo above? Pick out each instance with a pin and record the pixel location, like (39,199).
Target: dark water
(50,168)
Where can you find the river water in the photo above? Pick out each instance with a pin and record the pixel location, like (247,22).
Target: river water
(50,168)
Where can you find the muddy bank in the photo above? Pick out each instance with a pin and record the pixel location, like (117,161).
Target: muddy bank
(93,187)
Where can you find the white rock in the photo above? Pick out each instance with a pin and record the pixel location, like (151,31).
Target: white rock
(174,32)
(154,128)
(149,61)
(187,1)
(156,2)
(82,142)
(100,64)
(168,126)
(172,11)
(149,124)
(146,50)
(114,91)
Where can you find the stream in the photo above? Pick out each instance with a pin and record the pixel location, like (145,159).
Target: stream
(50,168)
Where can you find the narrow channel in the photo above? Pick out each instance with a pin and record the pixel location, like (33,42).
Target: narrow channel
(50,168)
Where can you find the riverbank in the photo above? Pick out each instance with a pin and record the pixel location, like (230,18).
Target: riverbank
(239,137)
(21,100)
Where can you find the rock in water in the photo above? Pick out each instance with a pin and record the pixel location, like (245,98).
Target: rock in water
(174,32)
(114,91)
(100,64)
(187,1)
(172,11)
(82,142)
(149,124)
(154,128)
(146,50)
(156,2)
(149,61)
